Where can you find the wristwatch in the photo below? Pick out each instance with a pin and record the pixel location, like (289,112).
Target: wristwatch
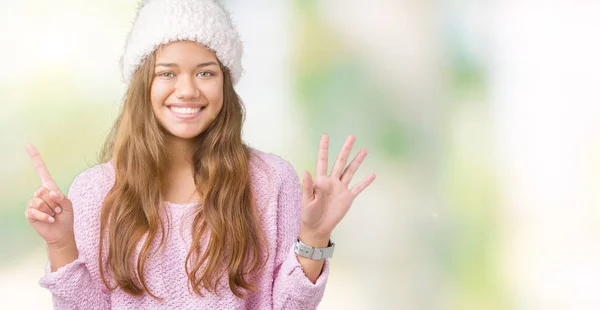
(312,252)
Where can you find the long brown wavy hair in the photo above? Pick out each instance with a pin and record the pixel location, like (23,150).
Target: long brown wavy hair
(137,146)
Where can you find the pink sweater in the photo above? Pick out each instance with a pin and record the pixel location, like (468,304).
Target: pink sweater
(282,285)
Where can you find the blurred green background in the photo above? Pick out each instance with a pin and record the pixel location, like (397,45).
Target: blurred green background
(481,118)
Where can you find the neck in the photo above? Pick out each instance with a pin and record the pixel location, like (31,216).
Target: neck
(181,187)
(181,153)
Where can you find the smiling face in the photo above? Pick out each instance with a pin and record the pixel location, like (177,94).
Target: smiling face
(187,88)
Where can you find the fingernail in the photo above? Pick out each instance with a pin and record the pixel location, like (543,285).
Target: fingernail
(36,192)
(53,194)
(51,219)
(58,210)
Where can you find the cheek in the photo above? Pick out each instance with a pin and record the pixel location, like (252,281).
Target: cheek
(217,102)
(158,94)
(214,95)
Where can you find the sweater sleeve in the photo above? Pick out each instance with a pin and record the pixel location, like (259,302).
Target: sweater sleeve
(72,287)
(291,288)
(77,285)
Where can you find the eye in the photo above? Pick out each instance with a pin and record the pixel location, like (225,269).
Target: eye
(166,74)
(205,74)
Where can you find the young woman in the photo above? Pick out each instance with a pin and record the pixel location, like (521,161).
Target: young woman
(180,213)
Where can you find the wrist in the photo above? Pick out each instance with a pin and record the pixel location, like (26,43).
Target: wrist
(61,254)
(65,245)
(60,259)
(314,239)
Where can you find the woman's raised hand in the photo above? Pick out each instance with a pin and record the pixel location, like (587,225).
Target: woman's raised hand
(327,198)
(49,211)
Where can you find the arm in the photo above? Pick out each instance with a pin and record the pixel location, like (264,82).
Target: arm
(71,268)
(323,203)
(292,288)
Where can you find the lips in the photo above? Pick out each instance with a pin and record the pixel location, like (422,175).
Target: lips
(186,113)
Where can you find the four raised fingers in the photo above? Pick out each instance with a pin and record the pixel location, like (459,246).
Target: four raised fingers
(340,170)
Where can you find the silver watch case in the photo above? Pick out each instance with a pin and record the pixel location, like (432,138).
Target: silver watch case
(312,252)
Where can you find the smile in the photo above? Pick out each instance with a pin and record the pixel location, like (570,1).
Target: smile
(185,113)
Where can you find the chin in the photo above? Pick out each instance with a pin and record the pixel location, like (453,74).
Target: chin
(186,135)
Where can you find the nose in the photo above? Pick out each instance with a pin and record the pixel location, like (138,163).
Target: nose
(186,88)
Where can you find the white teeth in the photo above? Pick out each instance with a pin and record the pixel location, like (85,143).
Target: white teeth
(185,110)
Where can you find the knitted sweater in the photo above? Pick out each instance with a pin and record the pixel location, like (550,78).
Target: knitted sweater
(282,285)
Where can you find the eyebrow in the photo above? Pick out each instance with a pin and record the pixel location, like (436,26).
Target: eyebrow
(170,64)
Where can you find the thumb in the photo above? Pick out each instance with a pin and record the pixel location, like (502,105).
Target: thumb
(307,188)
(61,200)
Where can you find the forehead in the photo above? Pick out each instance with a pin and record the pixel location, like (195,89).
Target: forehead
(184,51)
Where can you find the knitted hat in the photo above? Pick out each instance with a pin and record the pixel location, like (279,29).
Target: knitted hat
(160,22)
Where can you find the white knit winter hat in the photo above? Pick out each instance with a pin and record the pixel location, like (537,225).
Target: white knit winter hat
(160,22)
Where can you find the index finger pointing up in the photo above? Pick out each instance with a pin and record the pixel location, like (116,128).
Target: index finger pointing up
(40,168)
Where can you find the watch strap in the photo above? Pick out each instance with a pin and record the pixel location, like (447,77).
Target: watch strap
(314,253)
